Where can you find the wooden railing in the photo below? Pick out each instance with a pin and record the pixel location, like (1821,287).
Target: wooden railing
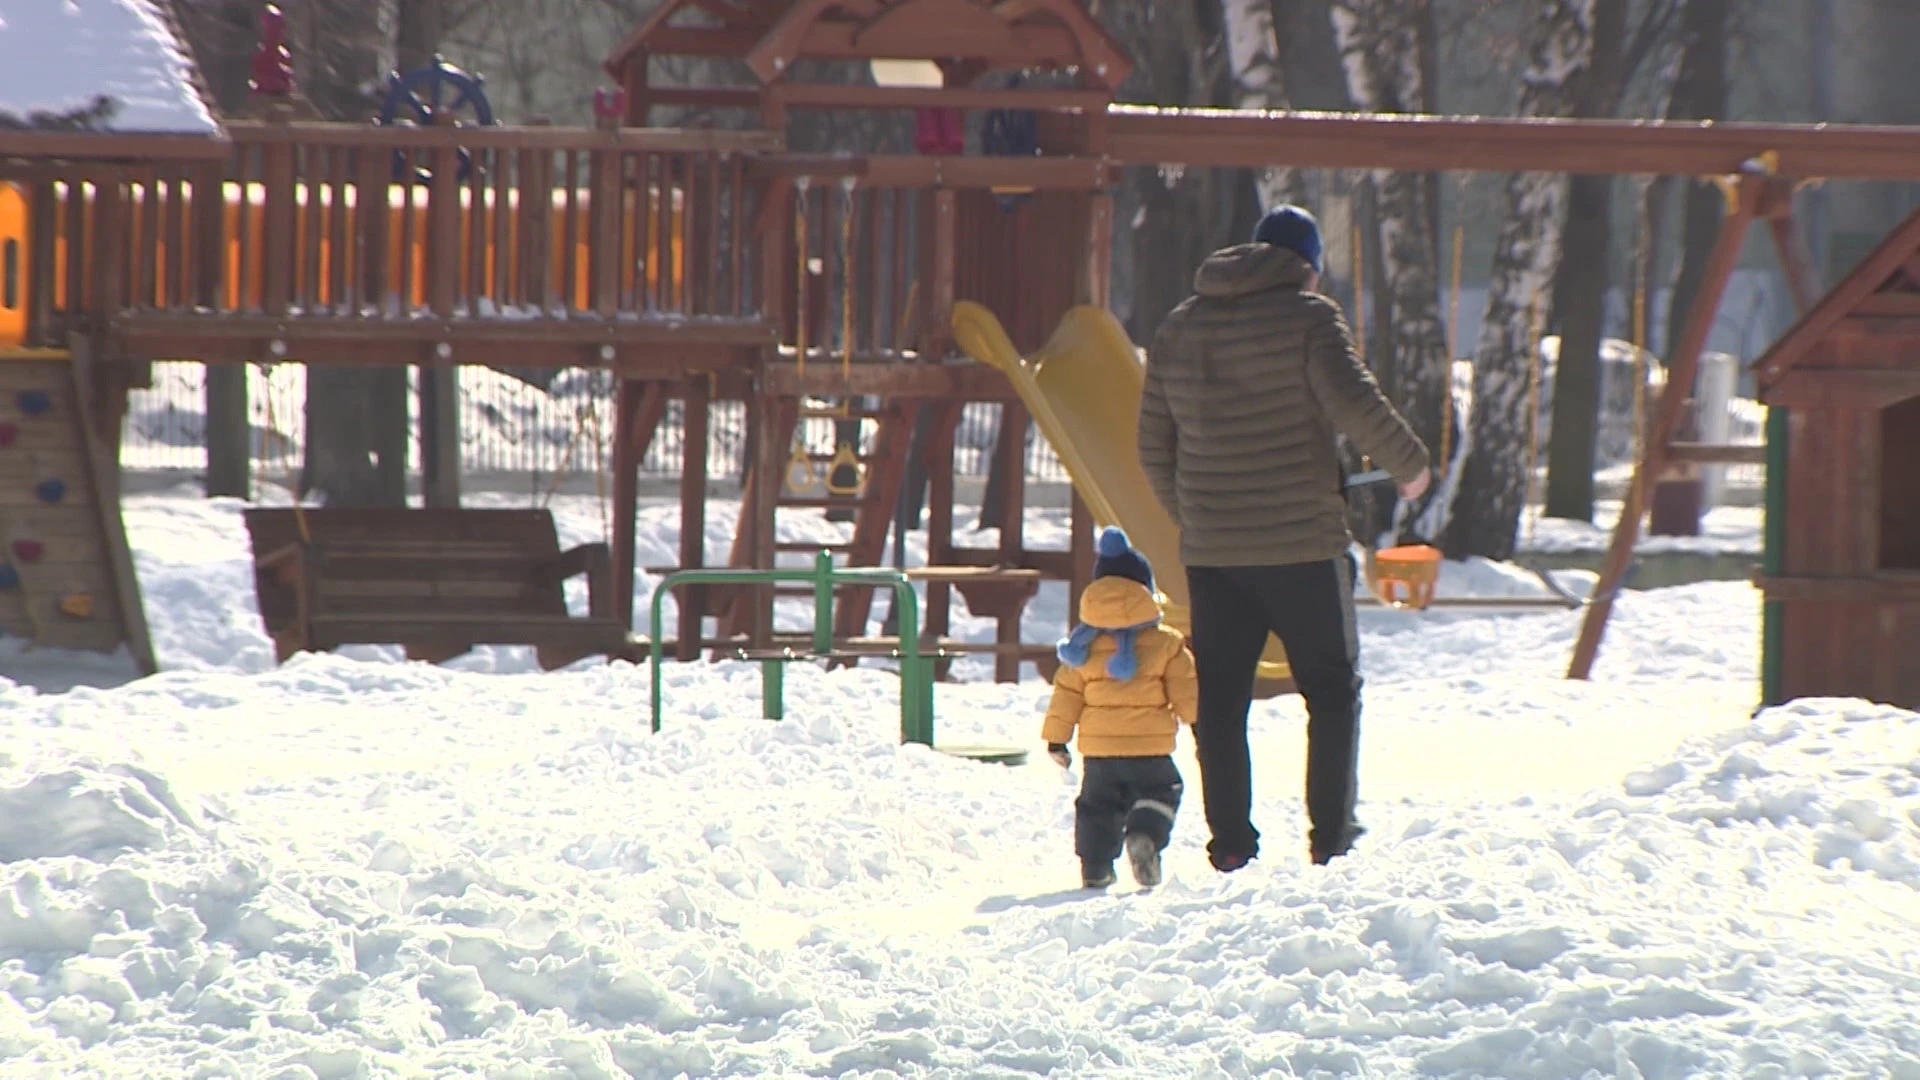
(510,223)
(867,251)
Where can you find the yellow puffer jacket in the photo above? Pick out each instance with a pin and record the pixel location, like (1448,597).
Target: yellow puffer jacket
(1134,717)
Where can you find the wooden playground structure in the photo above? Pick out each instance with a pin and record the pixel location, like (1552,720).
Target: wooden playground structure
(701,266)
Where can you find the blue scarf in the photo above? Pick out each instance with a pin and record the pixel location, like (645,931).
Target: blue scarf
(1077,647)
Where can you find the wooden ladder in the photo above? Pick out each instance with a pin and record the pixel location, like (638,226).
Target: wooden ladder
(765,494)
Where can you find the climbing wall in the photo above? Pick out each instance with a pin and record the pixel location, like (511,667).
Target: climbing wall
(66,576)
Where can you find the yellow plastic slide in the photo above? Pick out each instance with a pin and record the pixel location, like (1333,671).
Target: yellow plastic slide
(1083,389)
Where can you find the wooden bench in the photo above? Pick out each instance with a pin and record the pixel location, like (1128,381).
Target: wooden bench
(437,582)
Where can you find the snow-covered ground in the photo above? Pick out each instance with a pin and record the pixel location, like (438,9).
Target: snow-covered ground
(1724,530)
(356,867)
(58,55)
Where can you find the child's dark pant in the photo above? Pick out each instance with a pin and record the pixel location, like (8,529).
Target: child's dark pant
(1120,796)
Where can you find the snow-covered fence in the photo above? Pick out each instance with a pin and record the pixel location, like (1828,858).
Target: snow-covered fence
(507,428)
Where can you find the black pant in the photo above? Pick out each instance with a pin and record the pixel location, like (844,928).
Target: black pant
(1120,796)
(1309,606)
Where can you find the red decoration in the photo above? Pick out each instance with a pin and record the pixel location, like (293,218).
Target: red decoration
(610,103)
(272,61)
(939,131)
(8,433)
(28,550)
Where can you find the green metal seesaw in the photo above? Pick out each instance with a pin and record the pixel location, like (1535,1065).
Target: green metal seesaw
(916,668)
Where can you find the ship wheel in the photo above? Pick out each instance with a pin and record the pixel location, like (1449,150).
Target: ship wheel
(422,98)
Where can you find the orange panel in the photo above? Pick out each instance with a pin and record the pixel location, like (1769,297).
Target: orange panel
(13,266)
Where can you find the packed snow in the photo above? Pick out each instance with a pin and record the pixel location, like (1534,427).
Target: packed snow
(353,866)
(57,56)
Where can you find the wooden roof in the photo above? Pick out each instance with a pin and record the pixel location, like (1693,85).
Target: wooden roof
(965,35)
(1885,284)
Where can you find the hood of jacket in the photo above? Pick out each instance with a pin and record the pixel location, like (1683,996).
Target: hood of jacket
(1250,268)
(1116,603)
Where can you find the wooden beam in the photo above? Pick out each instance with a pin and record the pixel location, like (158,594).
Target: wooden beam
(1857,327)
(1846,388)
(1692,453)
(917,171)
(111,146)
(1683,364)
(628,402)
(845,96)
(578,330)
(1794,263)
(1149,135)
(103,470)
(1886,588)
(1888,305)
(963,381)
(501,137)
(704,97)
(693,511)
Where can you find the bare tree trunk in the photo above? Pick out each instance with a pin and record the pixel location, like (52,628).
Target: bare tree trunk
(1699,93)
(1178,216)
(1380,42)
(1259,82)
(1580,286)
(417,31)
(356,453)
(221,36)
(1491,491)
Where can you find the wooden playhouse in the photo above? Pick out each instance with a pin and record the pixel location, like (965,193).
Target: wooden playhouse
(1842,575)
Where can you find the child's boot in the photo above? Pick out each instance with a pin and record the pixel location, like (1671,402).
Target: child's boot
(1096,875)
(1144,857)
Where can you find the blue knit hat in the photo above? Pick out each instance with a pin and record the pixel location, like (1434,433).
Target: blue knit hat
(1118,559)
(1292,228)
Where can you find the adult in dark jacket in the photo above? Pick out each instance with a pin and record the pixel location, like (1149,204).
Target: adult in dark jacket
(1247,382)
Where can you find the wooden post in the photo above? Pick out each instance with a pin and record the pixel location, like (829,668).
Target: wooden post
(626,492)
(777,424)
(1096,280)
(43,210)
(693,510)
(1080,554)
(945,423)
(438,377)
(103,465)
(1681,366)
(229,427)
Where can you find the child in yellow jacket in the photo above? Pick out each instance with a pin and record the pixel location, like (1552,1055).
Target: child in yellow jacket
(1126,683)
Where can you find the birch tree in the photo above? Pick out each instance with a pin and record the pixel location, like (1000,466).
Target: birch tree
(1259,82)
(1381,51)
(1490,489)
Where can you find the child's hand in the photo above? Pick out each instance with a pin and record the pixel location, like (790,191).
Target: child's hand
(1060,755)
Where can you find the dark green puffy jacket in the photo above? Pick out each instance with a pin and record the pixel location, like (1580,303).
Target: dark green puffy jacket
(1247,382)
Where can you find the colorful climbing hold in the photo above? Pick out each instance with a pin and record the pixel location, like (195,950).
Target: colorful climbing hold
(8,433)
(9,577)
(28,550)
(78,605)
(33,402)
(50,490)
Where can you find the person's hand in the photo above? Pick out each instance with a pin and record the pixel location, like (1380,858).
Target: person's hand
(1060,755)
(1417,487)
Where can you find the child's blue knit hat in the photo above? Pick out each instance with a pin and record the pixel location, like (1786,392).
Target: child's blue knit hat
(1117,558)
(1292,228)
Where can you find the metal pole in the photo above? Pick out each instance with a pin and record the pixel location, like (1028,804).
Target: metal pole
(916,687)
(773,689)
(823,576)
